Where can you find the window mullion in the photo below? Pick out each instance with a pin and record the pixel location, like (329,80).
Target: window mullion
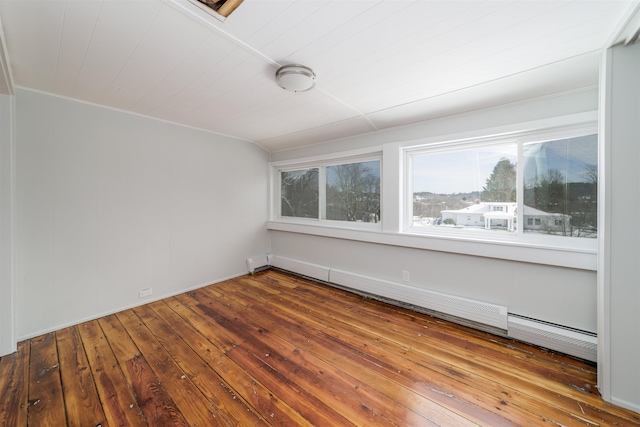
(408,198)
(520,189)
(322,193)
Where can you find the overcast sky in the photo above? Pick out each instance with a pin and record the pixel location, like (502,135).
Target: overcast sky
(458,171)
(468,171)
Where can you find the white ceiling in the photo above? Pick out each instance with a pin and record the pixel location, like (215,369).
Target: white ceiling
(379,64)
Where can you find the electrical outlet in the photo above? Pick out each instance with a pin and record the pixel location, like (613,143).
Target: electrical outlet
(146,292)
(405,276)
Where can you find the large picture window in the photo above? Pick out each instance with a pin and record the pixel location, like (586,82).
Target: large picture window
(348,192)
(530,186)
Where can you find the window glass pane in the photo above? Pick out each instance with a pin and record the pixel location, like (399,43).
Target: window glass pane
(353,192)
(560,187)
(467,188)
(299,193)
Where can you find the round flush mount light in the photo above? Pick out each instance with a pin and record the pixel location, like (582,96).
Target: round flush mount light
(296,78)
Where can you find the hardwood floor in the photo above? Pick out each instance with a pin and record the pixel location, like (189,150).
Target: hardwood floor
(274,349)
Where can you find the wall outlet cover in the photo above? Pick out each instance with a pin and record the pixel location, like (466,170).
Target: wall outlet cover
(145,292)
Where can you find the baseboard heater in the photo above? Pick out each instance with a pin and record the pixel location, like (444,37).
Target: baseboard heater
(565,340)
(258,263)
(475,311)
(306,269)
(482,315)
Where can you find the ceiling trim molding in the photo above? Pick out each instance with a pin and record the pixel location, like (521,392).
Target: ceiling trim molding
(628,30)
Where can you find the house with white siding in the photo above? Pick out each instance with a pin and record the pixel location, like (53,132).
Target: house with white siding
(492,215)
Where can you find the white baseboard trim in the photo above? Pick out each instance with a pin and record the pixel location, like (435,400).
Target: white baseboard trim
(625,404)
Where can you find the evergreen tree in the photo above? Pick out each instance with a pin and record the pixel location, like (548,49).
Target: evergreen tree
(501,185)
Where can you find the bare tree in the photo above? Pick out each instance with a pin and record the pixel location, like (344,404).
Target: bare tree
(299,193)
(578,201)
(353,193)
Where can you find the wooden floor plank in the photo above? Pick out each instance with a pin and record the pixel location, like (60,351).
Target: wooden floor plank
(119,403)
(14,373)
(368,369)
(194,407)
(276,349)
(242,383)
(391,388)
(80,394)
(351,398)
(156,403)
(46,402)
(308,405)
(340,391)
(216,336)
(158,318)
(231,403)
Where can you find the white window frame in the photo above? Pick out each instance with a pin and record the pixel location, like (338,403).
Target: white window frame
(519,139)
(321,162)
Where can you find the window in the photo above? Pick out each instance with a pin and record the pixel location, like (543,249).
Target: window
(353,192)
(518,195)
(299,193)
(525,185)
(331,191)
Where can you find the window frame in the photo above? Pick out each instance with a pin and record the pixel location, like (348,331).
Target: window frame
(321,162)
(519,138)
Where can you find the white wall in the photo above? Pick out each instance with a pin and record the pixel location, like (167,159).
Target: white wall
(619,277)
(565,296)
(109,203)
(7,324)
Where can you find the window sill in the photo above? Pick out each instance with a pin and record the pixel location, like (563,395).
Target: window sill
(512,250)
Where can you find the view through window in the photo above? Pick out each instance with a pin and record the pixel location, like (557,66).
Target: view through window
(477,188)
(350,192)
(561,187)
(465,188)
(299,194)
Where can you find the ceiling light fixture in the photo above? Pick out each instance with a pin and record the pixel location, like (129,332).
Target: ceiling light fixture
(296,78)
